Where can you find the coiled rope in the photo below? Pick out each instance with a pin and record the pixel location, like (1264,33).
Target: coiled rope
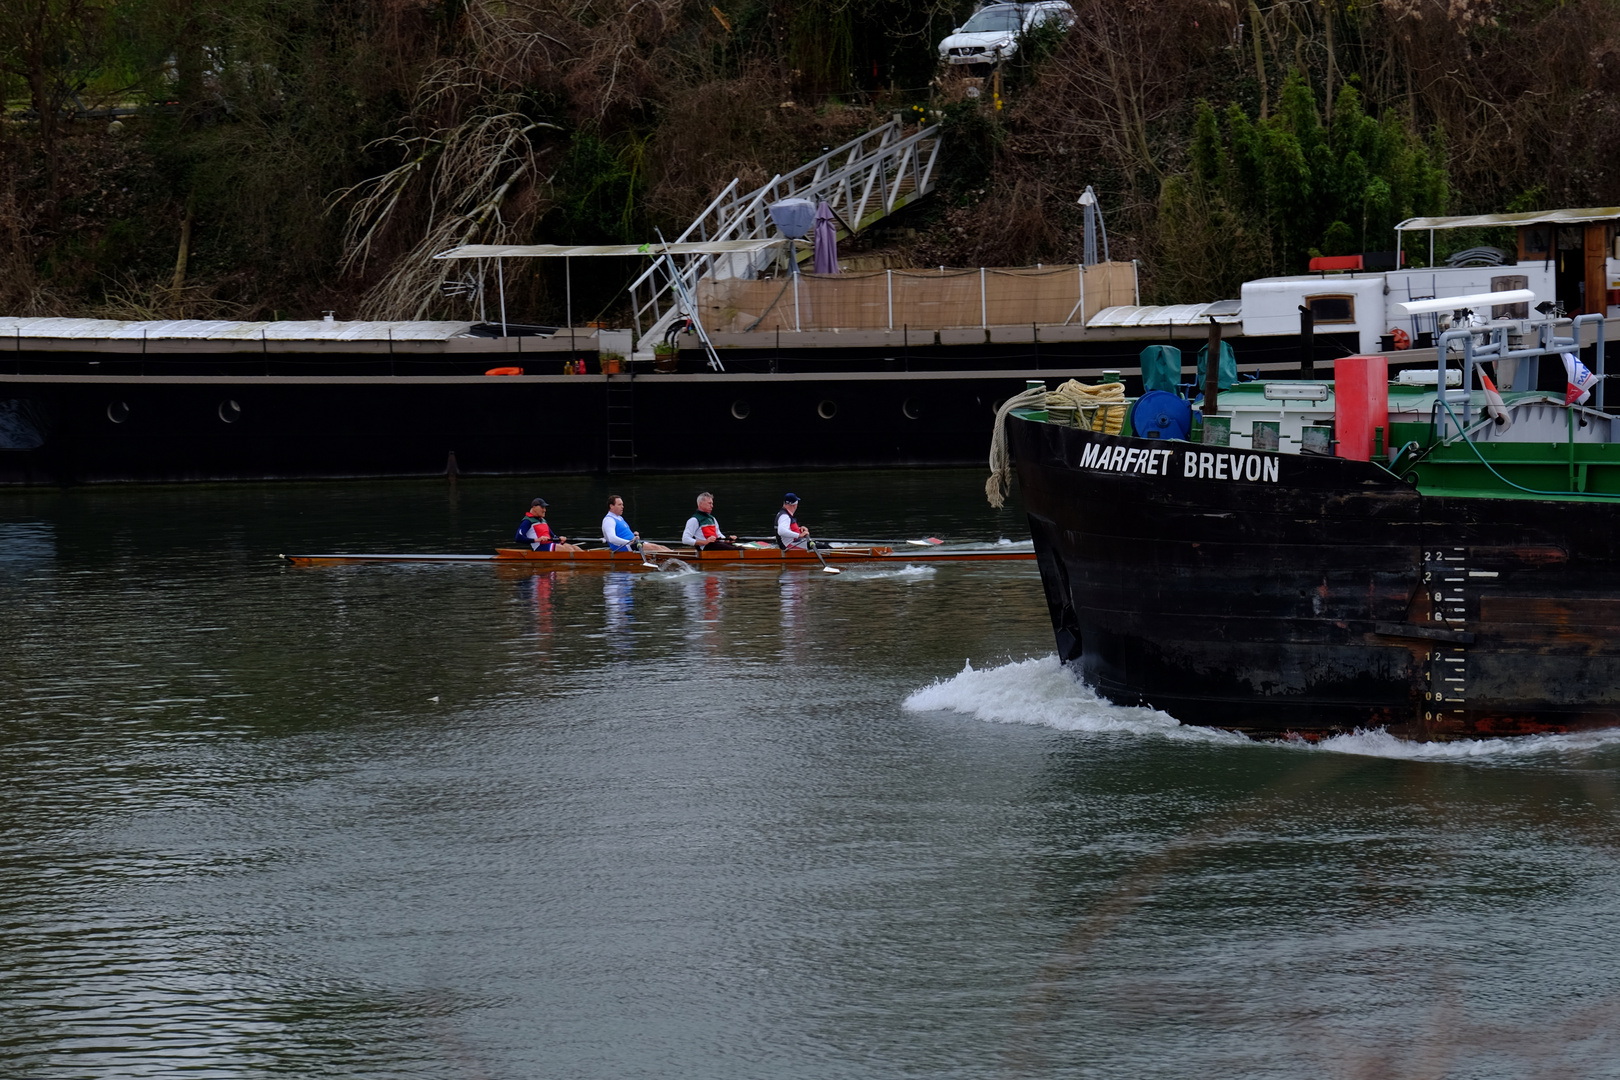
(1096,408)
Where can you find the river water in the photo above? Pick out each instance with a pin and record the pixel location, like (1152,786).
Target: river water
(459,821)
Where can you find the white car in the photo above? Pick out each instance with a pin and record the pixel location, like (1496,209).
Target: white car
(992,34)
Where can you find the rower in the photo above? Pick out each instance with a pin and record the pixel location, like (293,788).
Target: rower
(703,528)
(789,533)
(617,533)
(534,531)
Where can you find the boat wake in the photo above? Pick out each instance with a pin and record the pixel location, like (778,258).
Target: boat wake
(1042,692)
(912,572)
(1380,743)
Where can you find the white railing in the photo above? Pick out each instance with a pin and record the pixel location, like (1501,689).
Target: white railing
(864,180)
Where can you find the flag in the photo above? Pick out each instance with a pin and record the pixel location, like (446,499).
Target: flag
(1495,407)
(1579,378)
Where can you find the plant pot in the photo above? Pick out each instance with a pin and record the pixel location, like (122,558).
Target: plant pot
(610,366)
(664,362)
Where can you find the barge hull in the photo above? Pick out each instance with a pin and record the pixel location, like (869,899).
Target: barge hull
(1317,596)
(87,409)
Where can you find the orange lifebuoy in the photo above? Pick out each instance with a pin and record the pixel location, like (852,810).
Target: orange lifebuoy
(1401,338)
(504,371)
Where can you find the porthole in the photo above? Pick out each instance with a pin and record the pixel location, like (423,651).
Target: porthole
(118,412)
(912,408)
(827,409)
(229,411)
(740,409)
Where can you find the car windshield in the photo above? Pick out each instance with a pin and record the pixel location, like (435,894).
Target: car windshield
(993,19)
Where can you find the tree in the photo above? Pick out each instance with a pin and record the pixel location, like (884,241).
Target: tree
(53,46)
(1262,197)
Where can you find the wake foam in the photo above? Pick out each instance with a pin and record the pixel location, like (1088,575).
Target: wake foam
(1380,743)
(1044,693)
(911,571)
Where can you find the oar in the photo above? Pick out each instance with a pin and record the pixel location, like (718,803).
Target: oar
(648,563)
(929,541)
(825,569)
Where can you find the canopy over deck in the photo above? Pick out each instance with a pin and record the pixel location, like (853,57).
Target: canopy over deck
(552,251)
(502,252)
(228,330)
(1226,312)
(1536,217)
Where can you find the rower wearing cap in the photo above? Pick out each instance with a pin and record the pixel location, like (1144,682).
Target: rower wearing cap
(789,533)
(534,531)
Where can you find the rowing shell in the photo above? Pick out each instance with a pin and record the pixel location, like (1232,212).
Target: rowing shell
(629,560)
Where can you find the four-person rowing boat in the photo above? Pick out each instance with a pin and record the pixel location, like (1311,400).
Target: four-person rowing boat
(746,554)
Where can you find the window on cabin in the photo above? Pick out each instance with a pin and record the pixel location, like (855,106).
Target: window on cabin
(1504,284)
(1332,309)
(1535,242)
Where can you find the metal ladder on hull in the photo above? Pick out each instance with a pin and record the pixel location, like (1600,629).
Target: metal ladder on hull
(621,423)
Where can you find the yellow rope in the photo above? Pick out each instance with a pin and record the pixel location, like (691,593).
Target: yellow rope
(1096,408)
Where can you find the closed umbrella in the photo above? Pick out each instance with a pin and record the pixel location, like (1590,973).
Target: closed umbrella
(826,240)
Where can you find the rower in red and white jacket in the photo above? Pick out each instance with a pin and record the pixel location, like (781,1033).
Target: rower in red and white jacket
(789,533)
(534,531)
(703,528)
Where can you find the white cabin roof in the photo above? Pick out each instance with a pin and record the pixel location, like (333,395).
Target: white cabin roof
(224,330)
(1534,217)
(1225,312)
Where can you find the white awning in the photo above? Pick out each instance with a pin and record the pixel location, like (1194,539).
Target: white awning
(552,251)
(1539,217)
(1226,312)
(1407,308)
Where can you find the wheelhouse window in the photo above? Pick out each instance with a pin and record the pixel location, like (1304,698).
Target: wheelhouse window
(1332,309)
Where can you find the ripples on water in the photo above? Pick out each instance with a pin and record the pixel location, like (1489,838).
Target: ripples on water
(468,821)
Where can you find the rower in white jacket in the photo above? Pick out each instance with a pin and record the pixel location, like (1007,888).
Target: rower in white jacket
(703,528)
(789,533)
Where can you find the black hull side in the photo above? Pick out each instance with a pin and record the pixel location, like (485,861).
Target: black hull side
(1332,598)
(370,408)
(286,427)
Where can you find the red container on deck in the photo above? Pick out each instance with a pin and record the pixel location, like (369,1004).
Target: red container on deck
(1361,403)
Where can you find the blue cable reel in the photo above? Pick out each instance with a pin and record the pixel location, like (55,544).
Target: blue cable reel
(1159,414)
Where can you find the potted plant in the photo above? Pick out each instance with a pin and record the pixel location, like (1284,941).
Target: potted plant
(610,362)
(664,355)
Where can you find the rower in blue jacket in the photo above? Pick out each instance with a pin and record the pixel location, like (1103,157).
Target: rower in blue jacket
(617,533)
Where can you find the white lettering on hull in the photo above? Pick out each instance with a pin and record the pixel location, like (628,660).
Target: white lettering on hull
(1228,465)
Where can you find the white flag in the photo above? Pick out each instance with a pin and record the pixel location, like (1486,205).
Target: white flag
(1580,380)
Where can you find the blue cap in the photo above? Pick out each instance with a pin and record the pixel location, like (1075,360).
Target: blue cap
(539,502)
(790,497)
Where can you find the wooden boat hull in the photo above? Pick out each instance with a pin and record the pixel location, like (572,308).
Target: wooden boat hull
(603,559)
(1315,596)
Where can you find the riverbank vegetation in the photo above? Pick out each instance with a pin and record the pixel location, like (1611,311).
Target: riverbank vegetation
(277,158)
